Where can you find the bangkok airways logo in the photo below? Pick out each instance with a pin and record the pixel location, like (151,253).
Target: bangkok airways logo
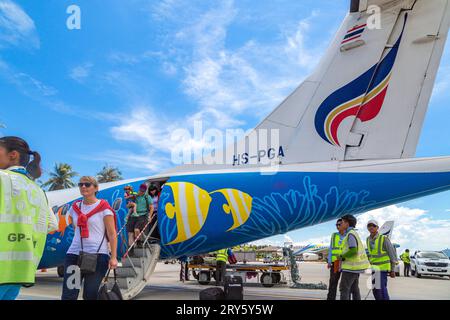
(362,98)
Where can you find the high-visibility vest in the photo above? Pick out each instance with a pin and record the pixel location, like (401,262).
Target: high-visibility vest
(222,255)
(358,262)
(378,257)
(24,220)
(336,247)
(405,257)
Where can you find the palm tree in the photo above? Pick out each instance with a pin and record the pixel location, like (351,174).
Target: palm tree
(109,174)
(61,177)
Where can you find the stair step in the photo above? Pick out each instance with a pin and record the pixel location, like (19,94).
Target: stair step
(124,283)
(137,262)
(140,252)
(131,280)
(127,272)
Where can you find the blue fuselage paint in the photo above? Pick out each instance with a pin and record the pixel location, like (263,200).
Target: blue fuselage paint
(281,202)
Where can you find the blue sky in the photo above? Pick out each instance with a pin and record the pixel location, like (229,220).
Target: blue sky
(113,91)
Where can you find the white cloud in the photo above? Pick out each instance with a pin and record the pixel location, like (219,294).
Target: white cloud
(140,127)
(133,59)
(31,86)
(16,27)
(250,79)
(227,83)
(414,228)
(40,92)
(232,81)
(157,136)
(81,72)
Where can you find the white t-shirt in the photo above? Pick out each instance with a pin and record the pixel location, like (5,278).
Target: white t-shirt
(97,230)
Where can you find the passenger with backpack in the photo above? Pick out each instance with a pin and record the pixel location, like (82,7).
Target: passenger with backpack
(130,196)
(88,258)
(144,210)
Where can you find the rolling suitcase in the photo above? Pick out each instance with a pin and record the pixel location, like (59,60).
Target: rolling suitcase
(234,289)
(212,294)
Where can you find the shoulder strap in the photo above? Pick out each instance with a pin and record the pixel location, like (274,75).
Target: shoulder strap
(146,200)
(103,239)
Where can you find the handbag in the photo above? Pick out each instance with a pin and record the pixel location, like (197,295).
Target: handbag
(88,261)
(107,292)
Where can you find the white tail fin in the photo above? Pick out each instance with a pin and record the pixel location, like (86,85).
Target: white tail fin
(368,97)
(387,228)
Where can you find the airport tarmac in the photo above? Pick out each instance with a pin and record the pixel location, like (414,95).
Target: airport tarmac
(164,285)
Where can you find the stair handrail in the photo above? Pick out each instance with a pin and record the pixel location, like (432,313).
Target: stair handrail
(126,255)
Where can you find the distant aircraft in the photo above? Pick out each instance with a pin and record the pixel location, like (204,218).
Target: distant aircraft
(314,252)
(347,140)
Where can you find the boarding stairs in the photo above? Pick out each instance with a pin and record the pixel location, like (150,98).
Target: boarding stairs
(138,263)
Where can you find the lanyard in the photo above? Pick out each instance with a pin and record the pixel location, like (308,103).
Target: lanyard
(21,170)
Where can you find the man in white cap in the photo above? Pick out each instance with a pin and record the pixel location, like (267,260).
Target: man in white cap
(382,257)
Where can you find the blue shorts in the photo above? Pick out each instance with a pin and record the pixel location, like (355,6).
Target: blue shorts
(9,291)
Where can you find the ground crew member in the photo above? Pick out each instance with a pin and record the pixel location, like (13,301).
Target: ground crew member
(406,262)
(184,269)
(383,258)
(221,265)
(334,252)
(353,260)
(25,216)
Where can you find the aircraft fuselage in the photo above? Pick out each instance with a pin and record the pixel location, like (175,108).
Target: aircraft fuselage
(205,211)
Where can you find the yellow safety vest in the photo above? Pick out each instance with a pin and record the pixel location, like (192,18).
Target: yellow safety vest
(336,247)
(222,255)
(24,224)
(358,262)
(378,257)
(405,257)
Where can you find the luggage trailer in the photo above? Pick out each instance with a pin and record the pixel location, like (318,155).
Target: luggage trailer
(267,275)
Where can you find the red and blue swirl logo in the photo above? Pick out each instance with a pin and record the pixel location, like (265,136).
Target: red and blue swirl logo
(362,98)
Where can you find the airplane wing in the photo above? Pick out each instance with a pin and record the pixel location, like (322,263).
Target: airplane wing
(313,249)
(304,249)
(322,249)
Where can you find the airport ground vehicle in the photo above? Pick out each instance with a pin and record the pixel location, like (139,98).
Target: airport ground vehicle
(434,263)
(267,274)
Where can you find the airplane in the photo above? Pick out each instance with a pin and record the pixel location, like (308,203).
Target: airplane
(346,145)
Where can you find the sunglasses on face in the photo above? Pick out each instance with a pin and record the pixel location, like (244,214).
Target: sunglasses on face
(371,226)
(338,224)
(86,184)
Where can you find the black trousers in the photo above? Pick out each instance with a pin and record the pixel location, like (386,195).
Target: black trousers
(349,286)
(221,269)
(333,284)
(91,282)
(406,269)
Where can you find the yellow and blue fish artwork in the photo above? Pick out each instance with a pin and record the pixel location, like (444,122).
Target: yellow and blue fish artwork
(190,209)
(239,205)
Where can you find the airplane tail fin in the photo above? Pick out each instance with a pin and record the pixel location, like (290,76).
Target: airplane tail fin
(368,97)
(387,228)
